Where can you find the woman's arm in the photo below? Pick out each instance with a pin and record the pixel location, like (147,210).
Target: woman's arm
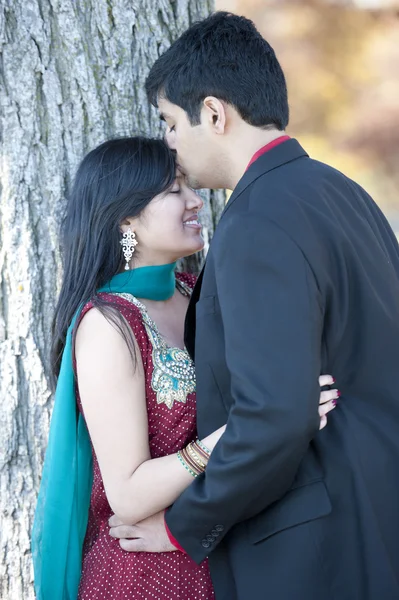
(113,397)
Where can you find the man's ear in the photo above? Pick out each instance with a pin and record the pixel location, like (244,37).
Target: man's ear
(214,113)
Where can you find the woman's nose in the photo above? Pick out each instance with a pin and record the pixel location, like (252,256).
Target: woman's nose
(194,200)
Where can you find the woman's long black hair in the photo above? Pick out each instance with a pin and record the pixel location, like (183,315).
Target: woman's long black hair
(115,181)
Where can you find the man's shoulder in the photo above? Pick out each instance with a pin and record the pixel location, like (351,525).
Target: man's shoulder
(302,178)
(307,187)
(294,177)
(300,198)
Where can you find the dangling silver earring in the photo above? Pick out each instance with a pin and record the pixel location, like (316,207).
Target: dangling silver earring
(128,242)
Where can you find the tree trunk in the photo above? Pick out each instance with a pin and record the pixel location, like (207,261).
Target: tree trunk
(71,75)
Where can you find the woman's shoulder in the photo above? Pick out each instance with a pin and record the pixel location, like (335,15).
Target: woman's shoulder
(111,303)
(120,302)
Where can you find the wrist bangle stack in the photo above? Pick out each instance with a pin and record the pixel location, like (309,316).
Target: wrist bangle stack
(187,463)
(201,452)
(194,457)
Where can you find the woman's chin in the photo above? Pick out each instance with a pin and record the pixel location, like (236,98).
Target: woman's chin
(190,250)
(199,246)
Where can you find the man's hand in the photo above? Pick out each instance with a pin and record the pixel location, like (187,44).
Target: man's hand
(147,536)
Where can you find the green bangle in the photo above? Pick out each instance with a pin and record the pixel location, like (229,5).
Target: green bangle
(205,449)
(185,465)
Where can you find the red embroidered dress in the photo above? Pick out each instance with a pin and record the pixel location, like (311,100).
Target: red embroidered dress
(108,572)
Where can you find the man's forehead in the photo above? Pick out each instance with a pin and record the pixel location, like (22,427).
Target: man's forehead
(166,108)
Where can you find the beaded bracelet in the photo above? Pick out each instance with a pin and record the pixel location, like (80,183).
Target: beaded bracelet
(190,461)
(185,465)
(197,458)
(203,447)
(199,449)
(194,457)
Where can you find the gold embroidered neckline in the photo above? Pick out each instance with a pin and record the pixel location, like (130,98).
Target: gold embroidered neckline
(173,377)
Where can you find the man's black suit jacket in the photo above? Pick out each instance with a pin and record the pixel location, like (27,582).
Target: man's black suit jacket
(302,278)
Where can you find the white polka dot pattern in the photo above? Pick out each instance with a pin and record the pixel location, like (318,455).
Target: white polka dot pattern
(109,573)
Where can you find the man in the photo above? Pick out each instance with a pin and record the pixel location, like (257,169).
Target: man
(302,277)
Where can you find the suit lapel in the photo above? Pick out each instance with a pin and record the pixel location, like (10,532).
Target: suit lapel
(190,321)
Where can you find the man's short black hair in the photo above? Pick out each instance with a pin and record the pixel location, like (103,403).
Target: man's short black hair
(223,56)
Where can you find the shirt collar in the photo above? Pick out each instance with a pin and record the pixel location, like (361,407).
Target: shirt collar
(269,146)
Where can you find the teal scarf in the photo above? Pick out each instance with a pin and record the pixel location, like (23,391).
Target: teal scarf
(64,497)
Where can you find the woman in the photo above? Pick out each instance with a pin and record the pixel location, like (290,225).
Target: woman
(124,366)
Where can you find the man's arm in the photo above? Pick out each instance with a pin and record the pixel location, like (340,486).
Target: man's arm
(272,322)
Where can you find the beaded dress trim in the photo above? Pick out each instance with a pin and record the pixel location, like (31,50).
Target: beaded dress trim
(173,377)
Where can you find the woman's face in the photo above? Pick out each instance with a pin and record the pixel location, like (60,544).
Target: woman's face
(168,228)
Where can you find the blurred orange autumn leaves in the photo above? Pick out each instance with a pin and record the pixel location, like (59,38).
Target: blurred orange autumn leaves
(341,59)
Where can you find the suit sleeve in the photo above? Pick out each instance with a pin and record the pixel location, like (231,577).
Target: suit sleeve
(272,319)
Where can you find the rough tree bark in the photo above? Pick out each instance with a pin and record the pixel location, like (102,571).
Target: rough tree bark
(71,76)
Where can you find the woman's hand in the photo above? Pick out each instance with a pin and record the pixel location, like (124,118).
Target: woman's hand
(328,399)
